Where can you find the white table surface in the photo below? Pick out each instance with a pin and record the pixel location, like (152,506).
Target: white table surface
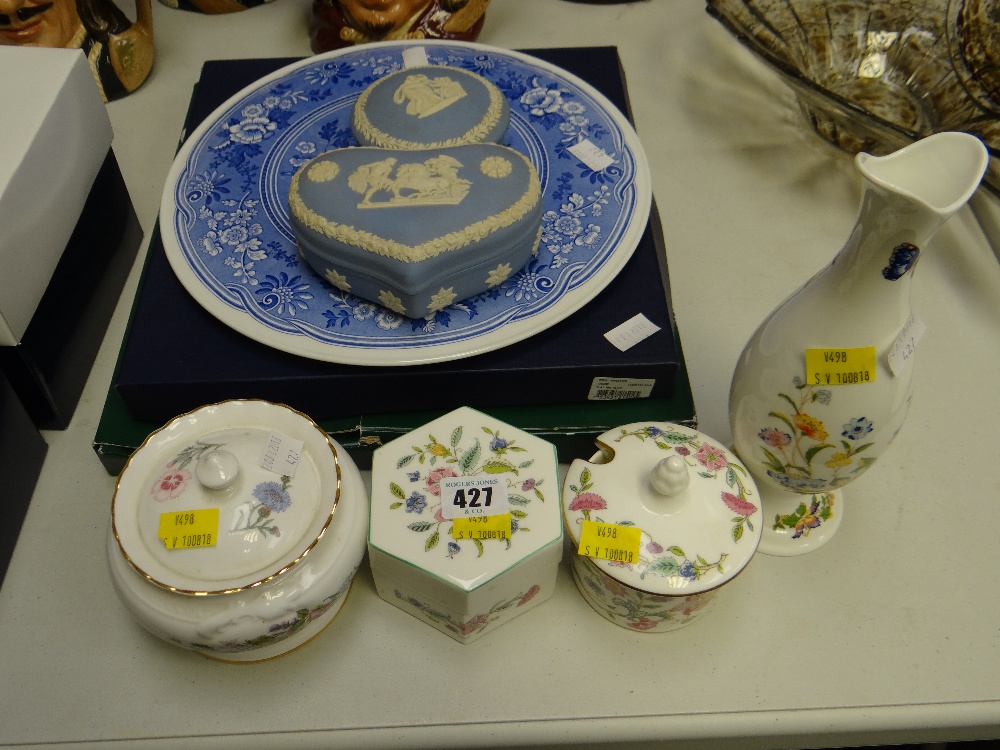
(890,633)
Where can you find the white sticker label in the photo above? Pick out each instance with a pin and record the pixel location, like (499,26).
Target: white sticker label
(906,344)
(631,332)
(281,454)
(615,389)
(472,497)
(593,156)
(414,57)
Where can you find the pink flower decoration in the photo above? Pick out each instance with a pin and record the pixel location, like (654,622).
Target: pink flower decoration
(588,501)
(529,595)
(738,505)
(643,623)
(774,437)
(528,486)
(171,485)
(711,458)
(477,622)
(654,548)
(434,480)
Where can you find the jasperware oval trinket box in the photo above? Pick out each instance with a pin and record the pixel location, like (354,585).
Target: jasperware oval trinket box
(660,519)
(236,530)
(465,525)
(430,106)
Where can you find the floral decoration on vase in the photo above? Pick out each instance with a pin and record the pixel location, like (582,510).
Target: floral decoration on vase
(799,439)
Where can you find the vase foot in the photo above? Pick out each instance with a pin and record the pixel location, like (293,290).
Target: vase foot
(797,523)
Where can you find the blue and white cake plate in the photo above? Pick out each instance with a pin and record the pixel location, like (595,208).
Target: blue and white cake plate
(226,231)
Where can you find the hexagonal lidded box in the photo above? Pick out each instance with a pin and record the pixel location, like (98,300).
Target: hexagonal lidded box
(466,528)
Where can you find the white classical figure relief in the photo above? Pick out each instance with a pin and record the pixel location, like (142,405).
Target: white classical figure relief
(434,182)
(426,96)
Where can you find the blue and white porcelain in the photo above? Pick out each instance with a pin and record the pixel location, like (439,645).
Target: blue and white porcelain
(225,218)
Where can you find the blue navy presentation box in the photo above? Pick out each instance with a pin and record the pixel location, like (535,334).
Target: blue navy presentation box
(178,356)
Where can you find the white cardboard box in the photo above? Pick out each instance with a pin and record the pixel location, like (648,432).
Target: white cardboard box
(56,136)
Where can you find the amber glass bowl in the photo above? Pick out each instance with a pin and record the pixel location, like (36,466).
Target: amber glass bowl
(875,76)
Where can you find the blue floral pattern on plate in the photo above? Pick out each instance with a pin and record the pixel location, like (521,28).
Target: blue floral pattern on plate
(228,237)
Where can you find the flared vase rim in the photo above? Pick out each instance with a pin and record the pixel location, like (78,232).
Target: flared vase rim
(955,187)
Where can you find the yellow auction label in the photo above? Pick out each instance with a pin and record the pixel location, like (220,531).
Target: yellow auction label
(609,541)
(481,527)
(840,366)
(185,529)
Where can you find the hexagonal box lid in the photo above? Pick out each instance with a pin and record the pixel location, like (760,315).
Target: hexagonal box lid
(433,487)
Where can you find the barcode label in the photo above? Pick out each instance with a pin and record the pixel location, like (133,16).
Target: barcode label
(606,394)
(616,389)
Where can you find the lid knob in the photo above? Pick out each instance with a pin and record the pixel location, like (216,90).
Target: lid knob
(670,476)
(217,469)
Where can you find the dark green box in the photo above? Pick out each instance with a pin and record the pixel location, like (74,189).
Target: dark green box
(572,428)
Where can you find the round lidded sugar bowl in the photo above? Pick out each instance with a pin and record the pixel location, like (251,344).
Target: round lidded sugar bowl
(662,517)
(236,530)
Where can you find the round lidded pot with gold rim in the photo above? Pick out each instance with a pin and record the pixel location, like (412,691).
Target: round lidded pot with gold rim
(236,530)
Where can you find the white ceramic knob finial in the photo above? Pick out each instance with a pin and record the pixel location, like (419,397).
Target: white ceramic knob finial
(217,469)
(670,476)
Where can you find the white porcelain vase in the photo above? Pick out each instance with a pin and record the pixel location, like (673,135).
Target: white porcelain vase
(823,385)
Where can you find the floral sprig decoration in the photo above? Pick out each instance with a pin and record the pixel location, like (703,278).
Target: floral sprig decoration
(791,446)
(807,516)
(256,514)
(586,501)
(435,450)
(654,559)
(477,622)
(710,460)
(234,230)
(495,459)
(174,478)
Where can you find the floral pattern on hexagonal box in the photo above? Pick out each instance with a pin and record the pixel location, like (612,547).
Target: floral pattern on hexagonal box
(464,587)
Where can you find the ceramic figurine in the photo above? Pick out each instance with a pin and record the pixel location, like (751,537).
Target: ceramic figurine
(214,7)
(119,51)
(823,385)
(342,23)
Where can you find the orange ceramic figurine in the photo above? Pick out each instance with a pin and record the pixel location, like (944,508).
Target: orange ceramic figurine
(119,51)
(341,23)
